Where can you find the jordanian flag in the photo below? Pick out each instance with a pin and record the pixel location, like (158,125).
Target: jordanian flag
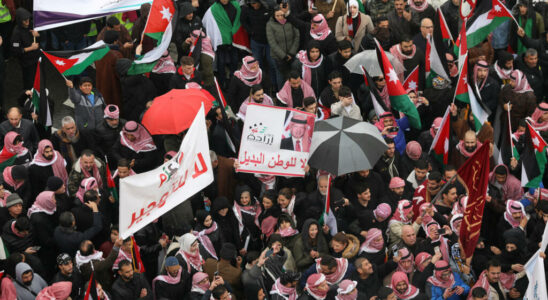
(377,106)
(461,92)
(433,63)
(111,185)
(479,112)
(39,96)
(398,97)
(328,218)
(222,31)
(462,43)
(487,16)
(158,28)
(533,159)
(440,145)
(412,80)
(75,62)
(444,29)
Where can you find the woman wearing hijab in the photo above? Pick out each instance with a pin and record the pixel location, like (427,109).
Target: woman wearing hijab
(279,260)
(374,247)
(353,26)
(319,31)
(314,66)
(519,94)
(403,289)
(136,145)
(249,74)
(226,221)
(14,149)
(189,256)
(247,210)
(208,233)
(445,284)
(310,244)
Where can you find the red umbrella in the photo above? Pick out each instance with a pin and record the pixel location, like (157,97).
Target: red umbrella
(174,111)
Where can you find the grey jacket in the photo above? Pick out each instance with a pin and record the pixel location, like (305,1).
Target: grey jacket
(27,292)
(86,114)
(283,39)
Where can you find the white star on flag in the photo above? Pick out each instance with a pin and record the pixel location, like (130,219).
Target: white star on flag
(446,146)
(464,79)
(60,62)
(392,74)
(536,142)
(412,85)
(497,8)
(166,14)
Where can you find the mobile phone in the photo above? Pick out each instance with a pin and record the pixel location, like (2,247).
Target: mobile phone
(36,248)
(441,231)
(269,253)
(314,8)
(215,274)
(437,249)
(393,129)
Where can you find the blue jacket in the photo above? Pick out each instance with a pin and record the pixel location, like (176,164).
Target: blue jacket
(399,140)
(312,270)
(437,292)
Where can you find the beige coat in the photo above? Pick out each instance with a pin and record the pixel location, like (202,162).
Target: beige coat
(366,26)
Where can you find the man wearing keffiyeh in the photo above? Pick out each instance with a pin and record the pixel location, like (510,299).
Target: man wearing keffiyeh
(86,166)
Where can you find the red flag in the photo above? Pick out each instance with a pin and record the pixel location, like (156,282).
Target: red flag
(475,174)
(440,145)
(412,80)
(221,96)
(60,63)
(445,32)
(136,259)
(159,17)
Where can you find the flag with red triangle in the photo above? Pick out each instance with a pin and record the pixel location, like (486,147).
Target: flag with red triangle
(158,27)
(533,159)
(399,99)
(461,92)
(412,80)
(138,265)
(462,45)
(75,62)
(434,64)
(445,32)
(39,98)
(488,15)
(440,145)
(111,185)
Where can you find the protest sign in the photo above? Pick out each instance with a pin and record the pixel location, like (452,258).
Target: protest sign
(147,196)
(50,14)
(275,141)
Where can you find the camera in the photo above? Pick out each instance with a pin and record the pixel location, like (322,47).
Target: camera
(441,231)
(393,129)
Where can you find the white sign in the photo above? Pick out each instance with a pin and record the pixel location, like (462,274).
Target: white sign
(275,140)
(535,272)
(50,14)
(147,196)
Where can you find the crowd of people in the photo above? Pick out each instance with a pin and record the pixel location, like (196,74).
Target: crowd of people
(251,236)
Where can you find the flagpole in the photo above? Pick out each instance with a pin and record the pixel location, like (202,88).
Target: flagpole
(510,130)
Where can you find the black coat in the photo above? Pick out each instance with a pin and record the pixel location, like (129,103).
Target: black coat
(107,136)
(254,22)
(27,131)
(238,91)
(144,161)
(24,191)
(78,289)
(86,141)
(14,243)
(179,81)
(168,291)
(38,178)
(149,248)
(22,38)
(137,90)
(535,76)
(373,283)
(131,290)
(319,74)
(68,240)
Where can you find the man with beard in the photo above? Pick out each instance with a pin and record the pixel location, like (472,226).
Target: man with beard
(528,63)
(24,127)
(171,285)
(426,28)
(294,91)
(488,88)
(67,272)
(382,33)
(444,205)
(451,13)
(107,131)
(256,95)
(400,20)
(70,141)
(410,57)
(46,163)
(339,58)
(498,285)
(502,68)
(465,149)
(130,285)
(27,283)
(399,189)
(420,10)
(507,183)
(427,191)
(86,166)
(389,165)
(88,260)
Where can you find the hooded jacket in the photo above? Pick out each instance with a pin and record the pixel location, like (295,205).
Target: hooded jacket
(511,188)
(22,38)
(27,292)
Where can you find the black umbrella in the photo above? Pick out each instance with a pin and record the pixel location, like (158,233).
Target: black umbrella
(343,145)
